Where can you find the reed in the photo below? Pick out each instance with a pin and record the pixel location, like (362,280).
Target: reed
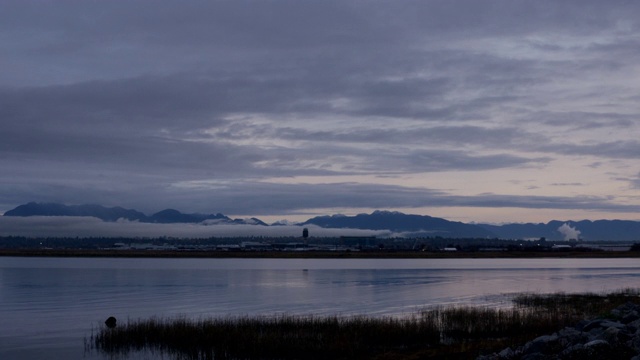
(280,337)
(582,304)
(440,333)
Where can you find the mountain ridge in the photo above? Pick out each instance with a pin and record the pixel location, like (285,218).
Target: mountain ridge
(407,225)
(112,214)
(414,225)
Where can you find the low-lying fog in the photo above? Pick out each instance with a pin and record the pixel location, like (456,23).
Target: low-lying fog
(70,226)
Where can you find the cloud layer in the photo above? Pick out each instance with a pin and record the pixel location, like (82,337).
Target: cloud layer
(87,227)
(289,108)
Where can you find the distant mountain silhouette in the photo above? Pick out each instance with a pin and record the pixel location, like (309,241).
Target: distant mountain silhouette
(98,211)
(614,230)
(416,225)
(168,216)
(420,225)
(250,221)
(408,225)
(172,216)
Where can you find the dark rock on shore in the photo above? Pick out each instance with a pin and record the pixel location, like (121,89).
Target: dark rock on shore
(616,338)
(110,322)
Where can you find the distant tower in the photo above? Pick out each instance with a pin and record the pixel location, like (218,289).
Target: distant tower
(305,235)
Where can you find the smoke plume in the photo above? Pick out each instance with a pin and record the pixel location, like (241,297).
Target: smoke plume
(569,232)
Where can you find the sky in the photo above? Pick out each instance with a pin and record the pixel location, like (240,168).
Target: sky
(471,110)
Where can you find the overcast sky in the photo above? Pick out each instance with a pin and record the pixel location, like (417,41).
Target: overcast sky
(485,111)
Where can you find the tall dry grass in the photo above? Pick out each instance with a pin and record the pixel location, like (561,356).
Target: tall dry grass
(440,333)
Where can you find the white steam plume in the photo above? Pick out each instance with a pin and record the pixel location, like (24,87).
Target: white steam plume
(569,232)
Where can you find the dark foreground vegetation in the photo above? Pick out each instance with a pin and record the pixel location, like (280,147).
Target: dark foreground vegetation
(440,333)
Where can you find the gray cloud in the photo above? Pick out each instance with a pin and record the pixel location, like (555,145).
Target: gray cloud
(118,102)
(582,120)
(635,182)
(273,198)
(626,149)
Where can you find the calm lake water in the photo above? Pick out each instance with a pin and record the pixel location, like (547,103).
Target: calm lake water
(49,306)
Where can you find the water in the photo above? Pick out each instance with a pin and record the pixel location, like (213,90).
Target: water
(49,306)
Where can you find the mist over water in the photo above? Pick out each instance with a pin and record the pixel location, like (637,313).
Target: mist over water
(53,304)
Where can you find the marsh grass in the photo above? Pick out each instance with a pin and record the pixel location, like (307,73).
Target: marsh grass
(279,337)
(581,304)
(440,333)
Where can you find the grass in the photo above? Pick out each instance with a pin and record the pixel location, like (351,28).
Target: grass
(280,337)
(440,333)
(579,305)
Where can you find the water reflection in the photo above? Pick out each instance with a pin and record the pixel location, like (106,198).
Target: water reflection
(52,303)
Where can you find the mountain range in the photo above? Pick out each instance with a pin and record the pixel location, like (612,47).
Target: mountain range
(409,225)
(167,216)
(403,224)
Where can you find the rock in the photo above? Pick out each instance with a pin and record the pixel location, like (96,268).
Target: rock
(580,325)
(596,343)
(488,357)
(110,322)
(630,318)
(506,353)
(544,344)
(571,351)
(594,324)
(607,324)
(634,326)
(610,335)
(624,337)
(535,356)
(598,339)
(634,344)
(570,336)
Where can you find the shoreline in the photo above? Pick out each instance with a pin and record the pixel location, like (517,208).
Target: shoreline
(313,254)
